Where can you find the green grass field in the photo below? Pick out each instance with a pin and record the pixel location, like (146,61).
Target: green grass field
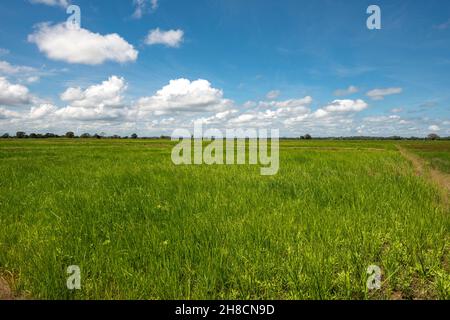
(142,228)
(436,153)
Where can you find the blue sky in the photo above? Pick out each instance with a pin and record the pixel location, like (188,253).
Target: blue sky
(298,66)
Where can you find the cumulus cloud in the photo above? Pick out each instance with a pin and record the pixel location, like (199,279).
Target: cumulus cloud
(296,116)
(103,107)
(346,106)
(13,94)
(434,128)
(60,3)
(98,102)
(218,118)
(345,92)
(183,95)
(58,42)
(271,95)
(8,114)
(340,107)
(41,111)
(107,94)
(95,104)
(91,114)
(379,94)
(169,38)
(268,112)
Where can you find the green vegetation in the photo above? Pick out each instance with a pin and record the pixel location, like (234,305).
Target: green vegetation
(436,153)
(141,228)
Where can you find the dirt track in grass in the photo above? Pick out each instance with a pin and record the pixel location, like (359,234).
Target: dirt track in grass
(5,291)
(441,179)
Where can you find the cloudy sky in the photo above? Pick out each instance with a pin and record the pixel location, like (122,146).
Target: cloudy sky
(151,66)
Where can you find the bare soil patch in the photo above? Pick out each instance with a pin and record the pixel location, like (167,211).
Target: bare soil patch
(5,290)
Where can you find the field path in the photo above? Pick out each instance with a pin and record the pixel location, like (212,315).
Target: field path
(441,179)
(5,291)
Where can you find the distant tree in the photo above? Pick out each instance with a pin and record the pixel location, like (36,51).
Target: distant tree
(33,135)
(433,136)
(70,135)
(308,137)
(85,136)
(97,136)
(5,136)
(134,136)
(21,135)
(50,135)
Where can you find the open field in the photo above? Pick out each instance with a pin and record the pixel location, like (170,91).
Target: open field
(142,228)
(436,153)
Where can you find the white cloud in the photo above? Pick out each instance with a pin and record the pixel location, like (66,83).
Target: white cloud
(154,4)
(103,107)
(3,51)
(80,45)
(13,94)
(170,38)
(33,79)
(24,73)
(107,94)
(397,110)
(382,119)
(60,3)
(434,128)
(346,106)
(379,94)
(218,118)
(266,113)
(320,113)
(271,95)
(41,111)
(291,104)
(7,68)
(345,92)
(97,102)
(295,115)
(7,114)
(243,118)
(141,7)
(182,95)
(91,114)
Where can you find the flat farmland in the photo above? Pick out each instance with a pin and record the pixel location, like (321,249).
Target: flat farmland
(140,227)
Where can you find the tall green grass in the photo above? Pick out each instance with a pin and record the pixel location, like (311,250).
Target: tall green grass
(141,228)
(436,153)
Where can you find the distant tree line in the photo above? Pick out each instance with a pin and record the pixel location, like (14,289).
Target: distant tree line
(72,135)
(68,135)
(431,136)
